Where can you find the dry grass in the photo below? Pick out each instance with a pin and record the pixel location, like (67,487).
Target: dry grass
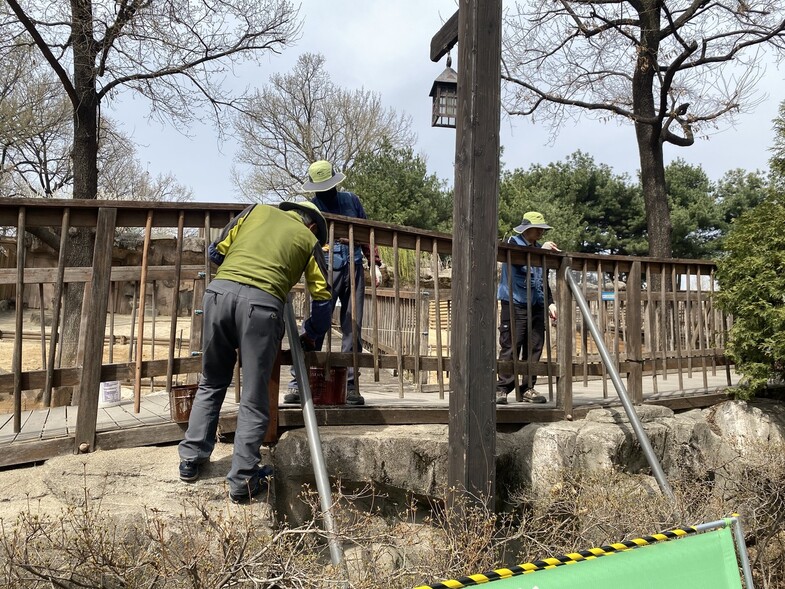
(223,547)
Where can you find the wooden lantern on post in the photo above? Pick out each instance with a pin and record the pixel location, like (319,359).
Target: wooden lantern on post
(445,98)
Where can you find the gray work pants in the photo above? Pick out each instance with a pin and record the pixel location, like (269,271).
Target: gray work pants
(236,316)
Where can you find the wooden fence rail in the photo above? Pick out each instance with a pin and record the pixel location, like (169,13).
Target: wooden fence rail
(657,317)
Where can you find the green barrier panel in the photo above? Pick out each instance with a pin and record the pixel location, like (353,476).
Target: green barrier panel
(702,561)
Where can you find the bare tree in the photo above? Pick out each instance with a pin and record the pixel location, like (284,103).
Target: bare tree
(301,117)
(121,175)
(36,135)
(674,68)
(35,124)
(175,53)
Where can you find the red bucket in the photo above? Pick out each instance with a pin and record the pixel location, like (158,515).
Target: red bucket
(181,398)
(328,391)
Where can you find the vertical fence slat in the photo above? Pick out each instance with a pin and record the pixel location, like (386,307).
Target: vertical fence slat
(438,306)
(584,331)
(663,323)
(714,340)
(132,332)
(57,302)
(178,269)
(676,324)
(356,335)
(153,316)
(513,328)
(616,314)
(20,297)
(547,319)
(634,326)
(652,333)
(701,328)
(418,304)
(112,303)
(374,309)
(603,326)
(142,302)
(84,439)
(42,316)
(688,319)
(565,328)
(397,314)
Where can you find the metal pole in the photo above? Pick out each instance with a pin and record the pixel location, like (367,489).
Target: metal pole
(741,548)
(314,442)
(617,382)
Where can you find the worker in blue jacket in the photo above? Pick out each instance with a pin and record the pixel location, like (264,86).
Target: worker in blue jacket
(323,180)
(530,292)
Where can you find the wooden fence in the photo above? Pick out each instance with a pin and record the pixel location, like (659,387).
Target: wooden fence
(657,316)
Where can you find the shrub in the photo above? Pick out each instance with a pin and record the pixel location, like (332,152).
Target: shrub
(751,276)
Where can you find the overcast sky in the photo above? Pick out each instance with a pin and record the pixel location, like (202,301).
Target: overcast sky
(384,47)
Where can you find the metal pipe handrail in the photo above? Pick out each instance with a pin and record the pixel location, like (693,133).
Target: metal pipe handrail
(643,439)
(312,431)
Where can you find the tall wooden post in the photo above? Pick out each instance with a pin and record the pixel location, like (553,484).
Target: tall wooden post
(472,437)
(94,332)
(634,340)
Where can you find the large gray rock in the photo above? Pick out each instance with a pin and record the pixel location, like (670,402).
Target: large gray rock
(126,484)
(396,460)
(402,462)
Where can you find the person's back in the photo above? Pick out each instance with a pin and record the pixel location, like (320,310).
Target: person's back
(269,252)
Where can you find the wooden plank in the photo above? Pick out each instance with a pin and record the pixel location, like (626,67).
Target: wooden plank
(20,297)
(119,274)
(96,328)
(105,421)
(35,379)
(37,451)
(123,416)
(34,426)
(471,465)
(178,265)
(58,299)
(10,429)
(634,327)
(564,343)
(142,302)
(445,38)
(159,400)
(57,423)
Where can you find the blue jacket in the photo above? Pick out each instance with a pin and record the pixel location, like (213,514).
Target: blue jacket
(539,293)
(347,204)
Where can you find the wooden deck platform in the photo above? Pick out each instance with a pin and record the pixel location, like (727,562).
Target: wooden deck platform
(49,432)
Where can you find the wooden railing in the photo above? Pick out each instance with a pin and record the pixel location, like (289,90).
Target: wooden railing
(657,316)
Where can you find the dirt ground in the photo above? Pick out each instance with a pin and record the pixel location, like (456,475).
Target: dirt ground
(33,356)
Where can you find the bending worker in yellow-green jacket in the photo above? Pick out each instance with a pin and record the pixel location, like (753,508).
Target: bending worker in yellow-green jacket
(261,255)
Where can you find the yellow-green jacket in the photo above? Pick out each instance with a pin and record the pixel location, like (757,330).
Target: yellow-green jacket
(270,249)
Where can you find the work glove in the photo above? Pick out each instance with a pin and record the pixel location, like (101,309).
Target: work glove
(308,344)
(553,313)
(549,245)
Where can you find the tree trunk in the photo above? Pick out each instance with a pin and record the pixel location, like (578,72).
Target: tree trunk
(648,131)
(79,251)
(655,197)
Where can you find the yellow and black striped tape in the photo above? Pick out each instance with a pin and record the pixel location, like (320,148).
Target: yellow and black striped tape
(549,563)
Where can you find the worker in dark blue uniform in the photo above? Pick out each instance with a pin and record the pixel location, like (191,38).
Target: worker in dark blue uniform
(323,181)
